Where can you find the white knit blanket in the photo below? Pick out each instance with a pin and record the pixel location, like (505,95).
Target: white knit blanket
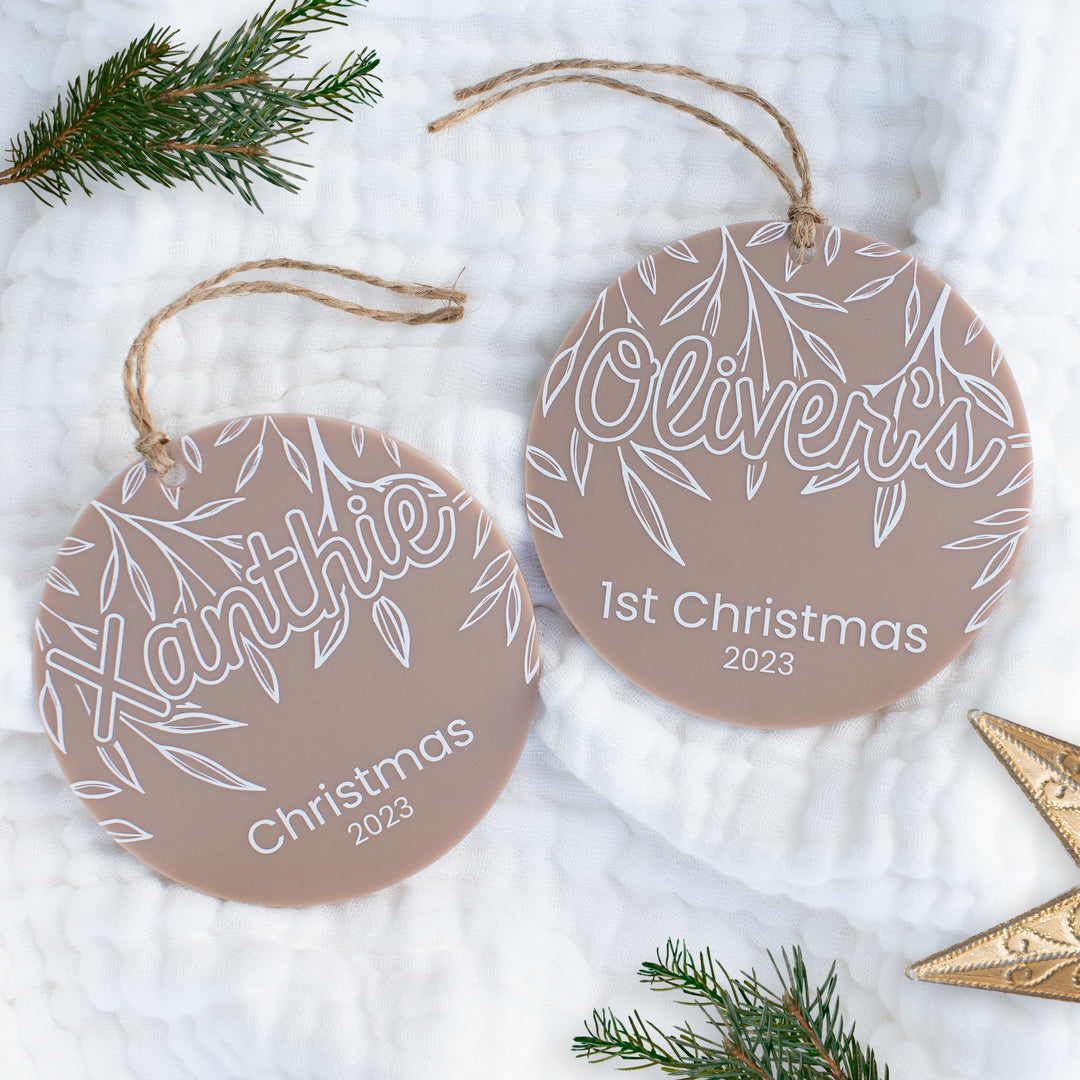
(946,129)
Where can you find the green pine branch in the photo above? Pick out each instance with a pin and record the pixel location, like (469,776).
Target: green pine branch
(753,1032)
(159,113)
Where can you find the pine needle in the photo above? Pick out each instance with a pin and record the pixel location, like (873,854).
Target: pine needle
(753,1031)
(156,112)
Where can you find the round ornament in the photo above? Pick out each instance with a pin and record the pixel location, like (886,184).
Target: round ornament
(775,493)
(301,674)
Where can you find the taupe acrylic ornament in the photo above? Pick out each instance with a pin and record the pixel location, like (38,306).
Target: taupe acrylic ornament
(1037,953)
(777,473)
(285,659)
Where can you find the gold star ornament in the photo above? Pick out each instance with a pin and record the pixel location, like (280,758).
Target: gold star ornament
(1038,952)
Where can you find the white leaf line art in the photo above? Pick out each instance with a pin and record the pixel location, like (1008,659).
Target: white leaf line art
(999,560)
(297,461)
(483,607)
(513,610)
(492,571)
(766,234)
(1021,440)
(124,831)
(391,448)
(133,480)
(877,250)
(109,577)
(580,468)
(544,463)
(870,288)
(832,245)
(973,543)
(171,492)
(987,396)
(141,587)
(232,430)
(985,609)
(1022,478)
(72,545)
(532,652)
(791,267)
(824,352)
(358,439)
(679,250)
(647,510)
(95,789)
(52,713)
(694,295)
(826,481)
(631,318)
(261,668)
(912,312)
(209,509)
(813,300)
(670,468)
(250,466)
(191,452)
(647,272)
(393,627)
(889,503)
(973,330)
(192,723)
(557,376)
(542,516)
(338,629)
(1012,516)
(121,767)
(57,579)
(996,356)
(755,475)
(205,768)
(483,531)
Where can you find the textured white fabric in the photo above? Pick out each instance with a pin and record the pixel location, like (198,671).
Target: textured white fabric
(946,129)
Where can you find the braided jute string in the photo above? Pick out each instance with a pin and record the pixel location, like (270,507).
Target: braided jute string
(801,213)
(151,442)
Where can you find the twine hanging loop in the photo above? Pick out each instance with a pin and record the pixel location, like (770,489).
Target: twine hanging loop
(151,443)
(801,213)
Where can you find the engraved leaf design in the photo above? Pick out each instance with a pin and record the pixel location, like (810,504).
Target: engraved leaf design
(679,250)
(580,468)
(755,474)
(52,713)
(206,769)
(711,322)
(985,610)
(889,504)
(72,545)
(877,250)
(296,459)
(232,430)
(209,509)
(562,367)
(60,581)
(826,481)
(813,300)
(998,561)
(832,245)
(481,609)
(483,531)
(973,330)
(391,623)
(492,571)
(119,764)
(261,667)
(141,585)
(647,511)
(358,439)
(532,652)
(124,831)
(95,789)
(694,295)
(647,272)
(870,288)
(912,312)
(172,493)
(768,233)
(250,466)
(669,467)
(987,396)
(973,543)
(193,723)
(391,448)
(192,453)
(542,516)
(133,480)
(1022,478)
(791,267)
(996,356)
(513,610)
(544,463)
(1013,516)
(824,352)
(340,627)
(109,577)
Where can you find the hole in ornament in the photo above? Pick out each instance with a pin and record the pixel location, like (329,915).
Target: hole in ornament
(175,476)
(726,365)
(802,256)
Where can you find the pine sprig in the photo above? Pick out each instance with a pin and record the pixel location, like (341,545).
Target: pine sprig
(754,1031)
(159,113)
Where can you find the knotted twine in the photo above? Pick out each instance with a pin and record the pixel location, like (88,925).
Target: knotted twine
(801,213)
(151,442)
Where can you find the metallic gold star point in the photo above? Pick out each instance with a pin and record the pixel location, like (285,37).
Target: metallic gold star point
(1038,952)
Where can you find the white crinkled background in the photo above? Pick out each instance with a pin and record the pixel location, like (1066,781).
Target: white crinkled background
(948,130)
